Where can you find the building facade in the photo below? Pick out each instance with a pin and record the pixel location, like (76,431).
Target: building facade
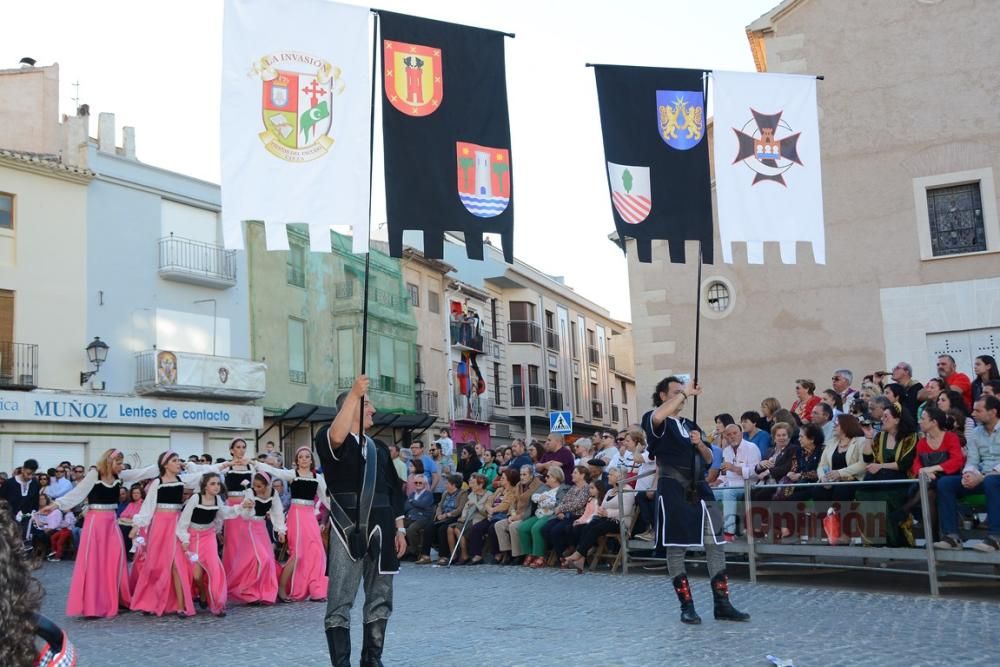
(911,157)
(102,246)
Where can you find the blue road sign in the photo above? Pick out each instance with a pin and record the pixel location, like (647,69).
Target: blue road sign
(561,422)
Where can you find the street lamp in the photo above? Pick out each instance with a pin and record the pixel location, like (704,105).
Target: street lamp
(97,354)
(418,386)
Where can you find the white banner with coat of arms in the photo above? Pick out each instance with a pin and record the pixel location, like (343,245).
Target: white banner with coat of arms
(296,104)
(769,185)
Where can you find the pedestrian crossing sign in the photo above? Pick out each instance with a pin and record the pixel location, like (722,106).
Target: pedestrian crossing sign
(561,422)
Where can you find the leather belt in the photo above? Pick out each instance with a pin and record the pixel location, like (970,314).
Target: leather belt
(349,501)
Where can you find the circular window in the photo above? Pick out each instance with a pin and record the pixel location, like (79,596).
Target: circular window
(718,296)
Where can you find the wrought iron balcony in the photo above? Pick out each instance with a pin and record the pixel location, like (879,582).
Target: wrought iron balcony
(391,386)
(593,356)
(552,340)
(536,396)
(475,408)
(524,331)
(168,373)
(355,292)
(197,263)
(18,365)
(555,399)
(466,336)
(427,401)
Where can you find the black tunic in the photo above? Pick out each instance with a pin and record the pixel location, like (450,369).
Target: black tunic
(303,488)
(170,493)
(202,516)
(103,494)
(344,473)
(234,480)
(682,502)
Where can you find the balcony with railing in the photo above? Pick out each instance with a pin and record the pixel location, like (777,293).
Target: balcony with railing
(470,336)
(391,385)
(524,331)
(427,401)
(552,340)
(597,410)
(169,373)
(536,396)
(593,356)
(614,414)
(555,399)
(474,408)
(196,262)
(351,294)
(18,365)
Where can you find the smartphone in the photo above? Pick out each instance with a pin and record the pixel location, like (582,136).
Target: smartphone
(685,378)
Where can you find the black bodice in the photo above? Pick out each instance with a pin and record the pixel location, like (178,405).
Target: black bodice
(235,478)
(203,516)
(303,488)
(170,493)
(104,495)
(262,507)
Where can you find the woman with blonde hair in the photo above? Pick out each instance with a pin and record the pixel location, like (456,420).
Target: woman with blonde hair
(100,575)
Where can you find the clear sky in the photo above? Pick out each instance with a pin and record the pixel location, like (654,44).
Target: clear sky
(157,66)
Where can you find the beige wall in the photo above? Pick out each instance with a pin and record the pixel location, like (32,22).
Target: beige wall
(910,91)
(29,109)
(43,260)
(431,334)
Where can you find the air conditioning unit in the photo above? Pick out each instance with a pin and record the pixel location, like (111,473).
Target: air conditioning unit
(501,430)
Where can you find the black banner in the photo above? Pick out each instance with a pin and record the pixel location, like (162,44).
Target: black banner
(656,156)
(446,134)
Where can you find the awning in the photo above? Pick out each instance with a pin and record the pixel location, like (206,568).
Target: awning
(307,413)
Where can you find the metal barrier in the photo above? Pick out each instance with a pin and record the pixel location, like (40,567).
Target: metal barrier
(926,555)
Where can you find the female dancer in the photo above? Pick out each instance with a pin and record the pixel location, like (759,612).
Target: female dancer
(237,552)
(164,583)
(196,530)
(100,574)
(304,574)
(256,581)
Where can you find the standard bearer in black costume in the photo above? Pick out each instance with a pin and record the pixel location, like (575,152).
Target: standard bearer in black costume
(367,535)
(688,516)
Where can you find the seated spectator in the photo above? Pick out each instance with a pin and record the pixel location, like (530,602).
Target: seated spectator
(496,509)
(834,400)
(536,450)
(953,379)
(981,475)
(59,483)
(721,422)
(136,494)
(606,449)
(768,407)
(714,469)
(519,455)
(489,469)
(634,451)
(805,463)
(889,455)
(929,395)
(283,493)
(582,449)
(754,434)
(806,399)
(505,530)
(843,460)
(939,452)
(61,535)
(503,457)
(545,500)
(606,519)
(739,458)
(822,416)
(557,454)
(416,472)
(779,463)
(468,462)
(418,513)
(991,388)
(596,467)
(842,379)
(949,400)
(447,513)
(985,369)
(876,407)
(557,532)
(397,461)
(473,512)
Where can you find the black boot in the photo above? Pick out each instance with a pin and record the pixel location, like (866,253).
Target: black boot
(683,590)
(371,650)
(724,609)
(338,640)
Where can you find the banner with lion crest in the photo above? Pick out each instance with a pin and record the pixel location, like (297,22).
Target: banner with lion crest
(656,151)
(296,102)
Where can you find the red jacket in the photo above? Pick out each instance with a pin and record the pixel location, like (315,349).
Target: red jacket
(951,445)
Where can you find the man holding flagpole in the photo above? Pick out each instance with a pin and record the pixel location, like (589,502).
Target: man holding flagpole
(366,511)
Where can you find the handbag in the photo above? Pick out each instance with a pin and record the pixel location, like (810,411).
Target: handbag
(498,516)
(928,459)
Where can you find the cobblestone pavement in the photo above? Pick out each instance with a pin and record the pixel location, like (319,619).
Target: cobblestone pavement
(489,615)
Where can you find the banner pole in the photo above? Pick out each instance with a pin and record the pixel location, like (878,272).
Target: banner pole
(368,255)
(697,331)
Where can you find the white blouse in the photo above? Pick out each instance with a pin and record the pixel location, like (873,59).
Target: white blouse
(225,512)
(80,492)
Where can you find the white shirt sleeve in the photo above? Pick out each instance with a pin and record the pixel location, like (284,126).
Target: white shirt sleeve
(185,521)
(277,515)
(145,515)
(751,461)
(321,491)
(79,493)
(276,473)
(129,477)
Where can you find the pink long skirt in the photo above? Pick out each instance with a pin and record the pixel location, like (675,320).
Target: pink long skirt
(305,547)
(100,575)
(253,573)
(154,587)
(138,559)
(204,544)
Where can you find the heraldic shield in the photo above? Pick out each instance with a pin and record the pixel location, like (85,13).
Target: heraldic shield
(680,117)
(630,192)
(483,178)
(297,109)
(414,83)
